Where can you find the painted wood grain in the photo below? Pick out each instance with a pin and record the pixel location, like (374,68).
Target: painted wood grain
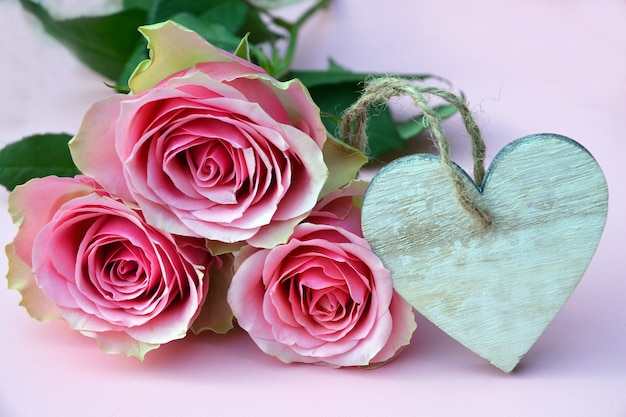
(494,290)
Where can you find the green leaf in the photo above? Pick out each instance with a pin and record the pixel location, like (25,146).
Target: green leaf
(138,4)
(334,99)
(217,34)
(139,54)
(337,74)
(273,4)
(413,127)
(382,134)
(258,29)
(104,43)
(36,156)
(337,88)
(228,13)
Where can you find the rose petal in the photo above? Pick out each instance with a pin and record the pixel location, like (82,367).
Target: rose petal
(21,278)
(119,342)
(110,276)
(174,48)
(30,212)
(93,148)
(322,297)
(403,327)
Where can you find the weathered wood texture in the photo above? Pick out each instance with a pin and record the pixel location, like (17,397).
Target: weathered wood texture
(495,290)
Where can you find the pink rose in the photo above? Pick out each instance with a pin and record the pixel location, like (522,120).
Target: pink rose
(207,144)
(323,297)
(88,258)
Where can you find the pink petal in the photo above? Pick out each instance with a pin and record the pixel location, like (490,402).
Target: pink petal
(94,146)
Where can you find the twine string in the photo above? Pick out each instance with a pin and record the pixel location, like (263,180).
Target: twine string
(353,128)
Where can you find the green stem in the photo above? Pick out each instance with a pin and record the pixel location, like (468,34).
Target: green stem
(293,28)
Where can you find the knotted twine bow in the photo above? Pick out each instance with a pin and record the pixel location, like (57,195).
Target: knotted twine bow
(353,127)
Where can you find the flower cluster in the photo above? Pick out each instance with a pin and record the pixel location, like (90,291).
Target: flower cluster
(210,194)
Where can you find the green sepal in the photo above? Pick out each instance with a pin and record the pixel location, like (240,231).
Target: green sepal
(243,49)
(216,314)
(36,156)
(344,163)
(118,88)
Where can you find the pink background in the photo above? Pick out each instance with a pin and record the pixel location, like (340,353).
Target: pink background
(526,67)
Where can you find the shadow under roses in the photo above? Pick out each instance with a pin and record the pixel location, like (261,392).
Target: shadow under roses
(431,354)
(200,357)
(210,357)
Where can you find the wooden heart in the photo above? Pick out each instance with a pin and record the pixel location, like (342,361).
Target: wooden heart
(493,289)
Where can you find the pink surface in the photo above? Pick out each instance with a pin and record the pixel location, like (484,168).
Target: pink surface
(526,67)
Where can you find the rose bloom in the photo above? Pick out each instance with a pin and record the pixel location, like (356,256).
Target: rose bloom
(207,144)
(323,297)
(92,260)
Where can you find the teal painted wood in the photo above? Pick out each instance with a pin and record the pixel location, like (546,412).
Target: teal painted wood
(494,290)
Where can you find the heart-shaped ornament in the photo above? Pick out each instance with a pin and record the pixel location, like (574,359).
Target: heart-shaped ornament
(494,289)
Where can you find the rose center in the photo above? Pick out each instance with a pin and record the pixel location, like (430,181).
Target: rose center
(322,298)
(328,306)
(121,275)
(212,163)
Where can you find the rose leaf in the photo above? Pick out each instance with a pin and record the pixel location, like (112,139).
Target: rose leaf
(215,33)
(259,30)
(336,88)
(273,4)
(410,128)
(138,4)
(103,43)
(335,98)
(36,156)
(229,13)
(139,55)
